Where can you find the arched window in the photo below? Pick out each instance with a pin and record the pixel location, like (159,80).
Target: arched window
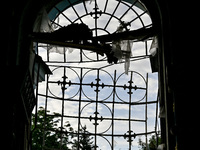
(102,82)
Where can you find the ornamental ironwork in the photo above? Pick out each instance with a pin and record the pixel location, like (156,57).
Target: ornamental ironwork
(111,103)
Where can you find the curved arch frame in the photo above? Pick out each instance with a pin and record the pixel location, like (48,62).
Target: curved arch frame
(126,136)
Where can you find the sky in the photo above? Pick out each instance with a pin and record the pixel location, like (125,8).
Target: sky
(107,78)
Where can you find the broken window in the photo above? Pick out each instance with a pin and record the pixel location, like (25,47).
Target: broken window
(101,82)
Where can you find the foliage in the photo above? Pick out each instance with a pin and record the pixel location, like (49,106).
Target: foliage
(85,141)
(152,143)
(53,138)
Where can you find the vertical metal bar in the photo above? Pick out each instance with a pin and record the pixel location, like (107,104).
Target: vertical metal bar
(81,55)
(146,48)
(130,96)
(96,110)
(85,7)
(106,6)
(36,47)
(113,106)
(112,14)
(45,114)
(97,57)
(63,14)
(128,10)
(146,117)
(79,107)
(63,105)
(47,53)
(95,18)
(64,53)
(139,17)
(72,6)
(156,121)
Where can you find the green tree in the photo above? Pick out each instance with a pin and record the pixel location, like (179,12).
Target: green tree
(152,143)
(52,136)
(85,141)
(47,131)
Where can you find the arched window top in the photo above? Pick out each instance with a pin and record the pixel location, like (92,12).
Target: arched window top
(114,25)
(63,5)
(101,16)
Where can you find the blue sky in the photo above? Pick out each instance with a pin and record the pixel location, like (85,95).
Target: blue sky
(121,111)
(87,108)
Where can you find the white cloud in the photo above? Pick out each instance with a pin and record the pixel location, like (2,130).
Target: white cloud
(71,108)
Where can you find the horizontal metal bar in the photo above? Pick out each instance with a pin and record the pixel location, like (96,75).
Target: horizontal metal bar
(104,85)
(99,134)
(142,33)
(118,119)
(139,34)
(76,100)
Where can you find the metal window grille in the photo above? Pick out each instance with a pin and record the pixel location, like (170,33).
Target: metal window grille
(112,105)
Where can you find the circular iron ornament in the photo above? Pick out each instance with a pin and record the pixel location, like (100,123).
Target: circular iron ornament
(97,117)
(131,88)
(103,143)
(91,56)
(64,83)
(97,85)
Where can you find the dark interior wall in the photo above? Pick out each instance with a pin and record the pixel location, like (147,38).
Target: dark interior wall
(14,14)
(176,25)
(17,20)
(20,23)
